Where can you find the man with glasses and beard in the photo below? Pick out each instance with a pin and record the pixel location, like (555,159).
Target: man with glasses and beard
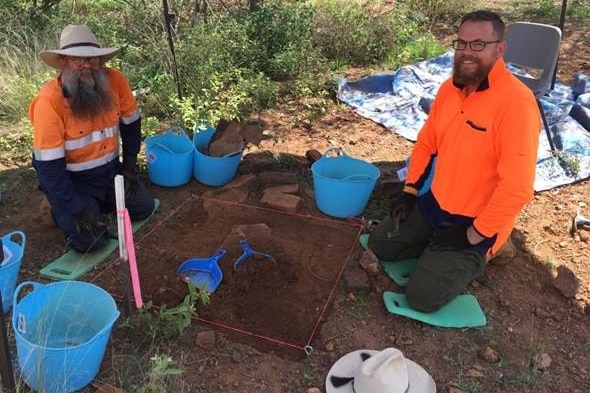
(77,120)
(483,130)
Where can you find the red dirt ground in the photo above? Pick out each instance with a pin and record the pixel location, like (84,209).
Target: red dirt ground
(536,338)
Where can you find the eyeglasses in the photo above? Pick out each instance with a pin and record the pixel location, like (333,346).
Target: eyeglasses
(476,46)
(78,61)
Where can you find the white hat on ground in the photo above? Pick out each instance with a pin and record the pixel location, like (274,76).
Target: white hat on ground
(370,371)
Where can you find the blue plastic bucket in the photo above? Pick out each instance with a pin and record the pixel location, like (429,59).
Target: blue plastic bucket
(170,158)
(61,332)
(342,184)
(10,266)
(213,171)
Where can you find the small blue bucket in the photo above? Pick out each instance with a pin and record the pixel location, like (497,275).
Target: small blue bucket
(10,266)
(213,171)
(61,332)
(342,184)
(170,158)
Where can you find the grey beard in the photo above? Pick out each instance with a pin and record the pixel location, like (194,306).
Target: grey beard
(87,97)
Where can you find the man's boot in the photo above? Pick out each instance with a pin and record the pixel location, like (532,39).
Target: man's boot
(504,255)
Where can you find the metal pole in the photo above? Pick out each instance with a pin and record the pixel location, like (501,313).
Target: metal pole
(561,25)
(171,45)
(8,384)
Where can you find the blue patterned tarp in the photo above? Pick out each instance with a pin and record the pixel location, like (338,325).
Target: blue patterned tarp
(400,101)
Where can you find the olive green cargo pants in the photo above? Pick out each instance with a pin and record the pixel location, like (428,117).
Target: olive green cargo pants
(439,275)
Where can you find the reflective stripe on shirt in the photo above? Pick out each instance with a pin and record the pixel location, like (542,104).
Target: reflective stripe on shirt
(93,137)
(130,119)
(49,154)
(92,163)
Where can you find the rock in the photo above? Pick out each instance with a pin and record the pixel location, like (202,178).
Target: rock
(278,177)
(226,139)
(279,201)
(313,155)
(330,346)
(566,282)
(488,354)
(369,263)
(206,340)
(284,188)
(542,361)
(474,373)
(356,279)
(314,390)
(242,181)
(351,296)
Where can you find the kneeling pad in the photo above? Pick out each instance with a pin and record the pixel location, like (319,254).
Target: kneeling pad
(398,271)
(73,264)
(461,312)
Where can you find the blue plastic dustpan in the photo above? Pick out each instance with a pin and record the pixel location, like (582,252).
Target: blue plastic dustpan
(204,273)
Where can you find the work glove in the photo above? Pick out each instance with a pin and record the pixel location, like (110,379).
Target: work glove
(131,182)
(401,206)
(453,238)
(87,224)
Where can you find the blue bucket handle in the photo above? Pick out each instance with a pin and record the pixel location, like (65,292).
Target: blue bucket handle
(235,153)
(16,318)
(340,152)
(162,146)
(179,131)
(8,236)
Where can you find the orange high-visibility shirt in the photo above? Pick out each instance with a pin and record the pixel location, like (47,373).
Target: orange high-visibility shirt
(85,144)
(486,148)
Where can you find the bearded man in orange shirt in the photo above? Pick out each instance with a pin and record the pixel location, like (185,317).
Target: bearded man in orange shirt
(77,120)
(483,130)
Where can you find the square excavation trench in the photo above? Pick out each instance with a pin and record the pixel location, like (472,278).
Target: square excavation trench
(280,303)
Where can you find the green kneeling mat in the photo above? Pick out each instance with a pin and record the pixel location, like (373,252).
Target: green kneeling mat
(462,312)
(398,271)
(73,264)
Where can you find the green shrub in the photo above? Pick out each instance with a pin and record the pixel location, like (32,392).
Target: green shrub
(349,33)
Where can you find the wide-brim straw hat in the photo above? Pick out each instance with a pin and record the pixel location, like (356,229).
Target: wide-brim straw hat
(78,41)
(371,371)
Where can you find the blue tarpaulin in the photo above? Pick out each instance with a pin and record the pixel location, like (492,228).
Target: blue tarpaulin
(401,100)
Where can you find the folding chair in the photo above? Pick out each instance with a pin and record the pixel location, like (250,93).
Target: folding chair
(533,48)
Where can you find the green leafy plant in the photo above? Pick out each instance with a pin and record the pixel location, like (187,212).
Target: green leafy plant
(162,369)
(167,322)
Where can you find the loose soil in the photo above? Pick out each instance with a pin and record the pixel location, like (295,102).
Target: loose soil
(537,307)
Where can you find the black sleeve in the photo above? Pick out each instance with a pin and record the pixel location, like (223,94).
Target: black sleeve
(131,140)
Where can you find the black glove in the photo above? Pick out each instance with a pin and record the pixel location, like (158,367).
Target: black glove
(402,205)
(453,238)
(131,182)
(87,223)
